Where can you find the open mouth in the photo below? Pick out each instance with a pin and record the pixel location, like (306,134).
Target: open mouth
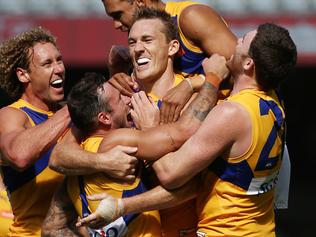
(130,119)
(142,61)
(57,83)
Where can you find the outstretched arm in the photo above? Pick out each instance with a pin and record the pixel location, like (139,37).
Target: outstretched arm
(156,142)
(61,217)
(110,208)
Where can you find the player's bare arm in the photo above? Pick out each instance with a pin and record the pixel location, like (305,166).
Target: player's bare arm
(217,135)
(206,29)
(169,136)
(155,199)
(61,217)
(69,158)
(15,130)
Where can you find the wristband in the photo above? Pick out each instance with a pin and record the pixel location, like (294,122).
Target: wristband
(213,79)
(189,81)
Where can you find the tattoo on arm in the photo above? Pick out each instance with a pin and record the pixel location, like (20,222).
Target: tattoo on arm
(203,103)
(61,217)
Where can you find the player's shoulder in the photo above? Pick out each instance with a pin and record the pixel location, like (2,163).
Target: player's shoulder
(10,114)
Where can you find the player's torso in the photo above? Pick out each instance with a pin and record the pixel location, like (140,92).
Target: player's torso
(236,198)
(79,187)
(30,191)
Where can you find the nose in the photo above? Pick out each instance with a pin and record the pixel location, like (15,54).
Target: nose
(59,67)
(139,47)
(117,24)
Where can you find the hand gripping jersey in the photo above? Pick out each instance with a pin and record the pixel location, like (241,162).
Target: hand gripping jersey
(236,198)
(180,220)
(31,190)
(145,224)
(190,57)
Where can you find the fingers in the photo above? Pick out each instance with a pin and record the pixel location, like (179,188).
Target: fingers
(98,196)
(164,112)
(177,113)
(86,220)
(171,113)
(127,149)
(123,83)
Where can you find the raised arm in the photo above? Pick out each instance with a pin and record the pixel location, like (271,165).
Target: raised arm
(20,143)
(206,29)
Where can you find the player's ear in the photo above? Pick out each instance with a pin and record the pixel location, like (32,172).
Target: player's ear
(22,75)
(248,64)
(105,118)
(174,46)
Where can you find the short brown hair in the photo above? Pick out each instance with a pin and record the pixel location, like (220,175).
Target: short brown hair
(274,54)
(170,28)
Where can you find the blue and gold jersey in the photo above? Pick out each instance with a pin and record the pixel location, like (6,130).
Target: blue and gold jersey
(31,190)
(190,58)
(146,224)
(180,220)
(177,79)
(236,198)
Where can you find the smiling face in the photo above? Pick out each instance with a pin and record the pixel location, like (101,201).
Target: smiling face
(235,63)
(149,49)
(120,107)
(46,73)
(121,11)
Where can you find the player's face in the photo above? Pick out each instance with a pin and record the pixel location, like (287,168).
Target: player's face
(235,63)
(46,73)
(120,105)
(121,11)
(149,49)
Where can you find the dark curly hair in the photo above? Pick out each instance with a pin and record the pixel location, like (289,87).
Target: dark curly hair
(274,54)
(15,53)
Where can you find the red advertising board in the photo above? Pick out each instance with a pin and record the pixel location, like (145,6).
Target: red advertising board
(87,41)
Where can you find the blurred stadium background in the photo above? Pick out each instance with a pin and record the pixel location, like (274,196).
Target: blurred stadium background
(85,34)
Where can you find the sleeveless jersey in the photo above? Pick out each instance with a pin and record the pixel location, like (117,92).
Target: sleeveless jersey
(180,220)
(177,79)
(31,190)
(190,57)
(145,224)
(236,197)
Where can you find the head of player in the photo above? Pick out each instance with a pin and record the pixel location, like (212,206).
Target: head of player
(31,68)
(96,105)
(267,55)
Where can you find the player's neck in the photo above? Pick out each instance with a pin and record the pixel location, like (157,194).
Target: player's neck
(243,82)
(160,86)
(38,102)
